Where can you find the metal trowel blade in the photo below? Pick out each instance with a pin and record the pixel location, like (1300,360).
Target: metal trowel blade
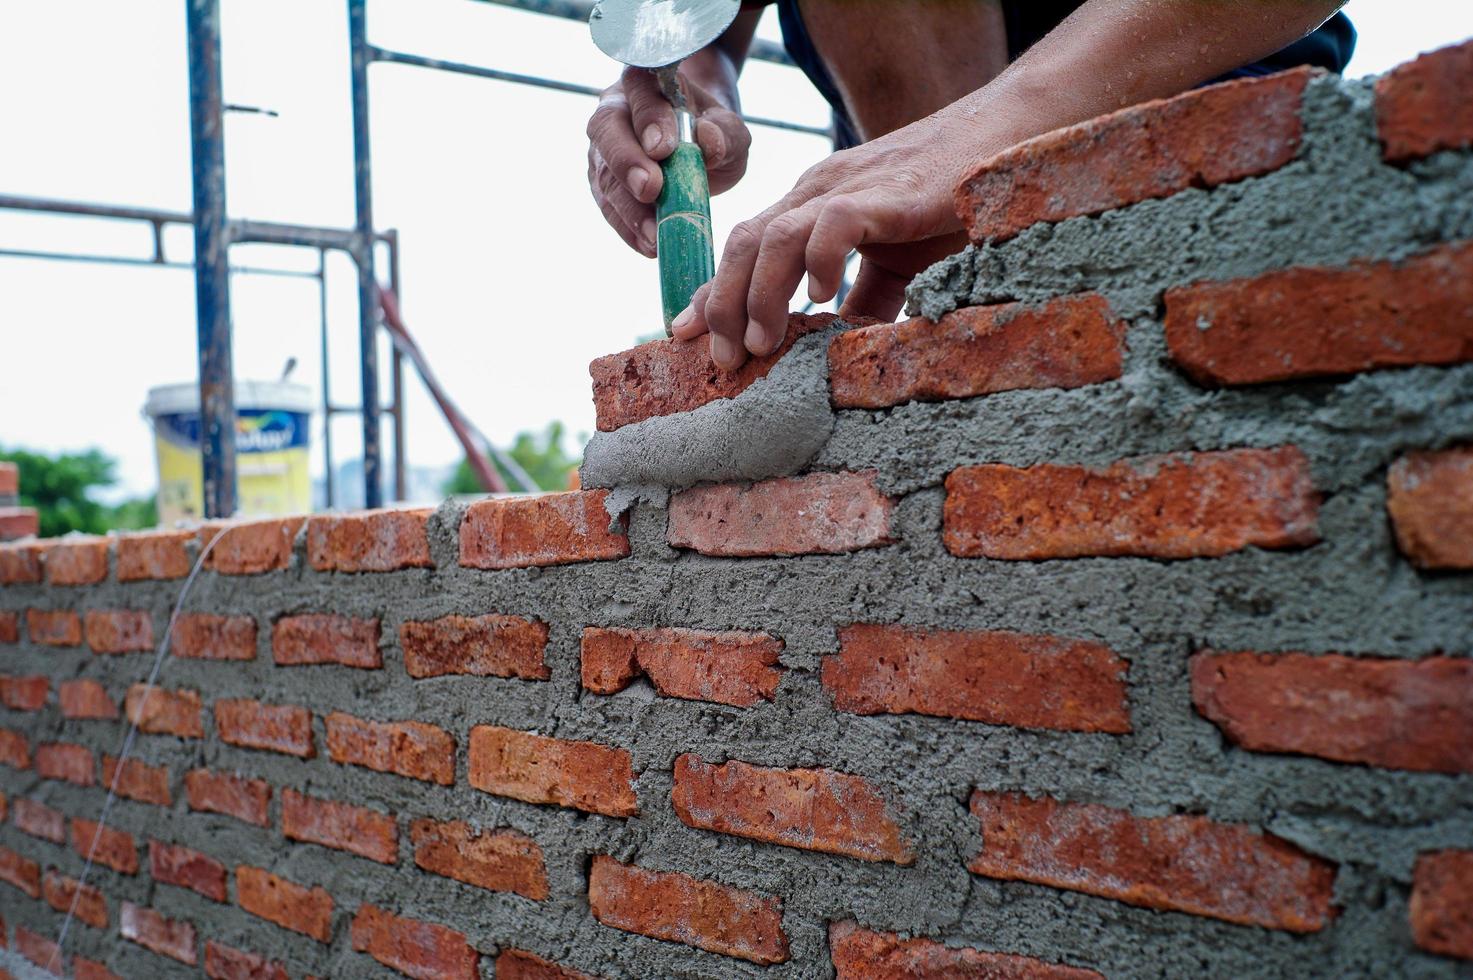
(656,33)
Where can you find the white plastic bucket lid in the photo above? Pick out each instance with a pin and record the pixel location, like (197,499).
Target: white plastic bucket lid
(183,399)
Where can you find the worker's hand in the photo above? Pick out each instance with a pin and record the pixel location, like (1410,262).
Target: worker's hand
(633,129)
(890,198)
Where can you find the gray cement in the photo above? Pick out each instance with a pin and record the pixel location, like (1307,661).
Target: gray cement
(1351,592)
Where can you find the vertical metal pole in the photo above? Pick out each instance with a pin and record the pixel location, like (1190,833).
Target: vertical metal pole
(401,483)
(211,270)
(363,254)
(326,372)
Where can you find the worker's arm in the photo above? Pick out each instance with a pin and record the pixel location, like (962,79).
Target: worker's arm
(892,198)
(633,129)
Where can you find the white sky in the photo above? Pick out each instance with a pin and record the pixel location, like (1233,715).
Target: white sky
(512,282)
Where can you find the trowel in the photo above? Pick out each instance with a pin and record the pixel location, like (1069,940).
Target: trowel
(658,34)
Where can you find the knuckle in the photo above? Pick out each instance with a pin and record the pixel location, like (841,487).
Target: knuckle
(745,237)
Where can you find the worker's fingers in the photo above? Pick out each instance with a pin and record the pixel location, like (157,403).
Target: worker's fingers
(725,141)
(847,221)
(652,117)
(876,292)
(691,322)
(611,134)
(775,277)
(726,306)
(636,217)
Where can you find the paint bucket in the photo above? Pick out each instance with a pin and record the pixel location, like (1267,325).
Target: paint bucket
(271,446)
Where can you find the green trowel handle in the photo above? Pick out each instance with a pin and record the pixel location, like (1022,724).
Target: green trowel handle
(683,214)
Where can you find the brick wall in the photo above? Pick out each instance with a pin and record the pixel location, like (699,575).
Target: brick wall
(1120,626)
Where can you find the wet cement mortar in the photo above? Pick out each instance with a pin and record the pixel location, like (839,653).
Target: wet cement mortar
(1351,592)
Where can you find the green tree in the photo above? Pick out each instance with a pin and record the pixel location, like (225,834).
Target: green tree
(540,454)
(60,488)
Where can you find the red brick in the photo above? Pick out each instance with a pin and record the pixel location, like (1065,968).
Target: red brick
(407,748)
(157,711)
(1202,138)
(482,646)
(229,794)
(63,894)
(54,627)
(24,693)
(15,749)
(75,561)
(814,809)
(355,829)
(1186,505)
(1068,342)
(225,963)
(1442,903)
(107,846)
(1181,863)
(499,860)
(39,950)
(549,529)
(738,669)
(154,555)
(820,513)
(1429,496)
(9,627)
(18,522)
(119,630)
(326,639)
(250,548)
(370,541)
(38,820)
(1396,714)
(518,964)
(289,905)
(67,762)
(251,724)
(423,950)
(20,562)
(1422,106)
(538,769)
(185,867)
(137,781)
(1311,322)
(9,479)
(666,377)
(859,954)
(681,909)
(998,677)
(86,698)
(85,969)
(20,872)
(173,938)
(202,636)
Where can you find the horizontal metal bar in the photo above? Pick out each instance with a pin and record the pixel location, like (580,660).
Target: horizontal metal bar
(355,410)
(21,253)
(420,61)
(308,236)
(56,206)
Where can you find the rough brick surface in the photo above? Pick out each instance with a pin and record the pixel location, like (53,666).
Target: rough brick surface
(15,749)
(406,748)
(24,693)
(666,377)
(19,522)
(1442,903)
(285,728)
(9,479)
(76,561)
(326,639)
(820,513)
(154,555)
(551,529)
(1187,505)
(859,954)
(1183,863)
(187,868)
(1065,343)
(1202,138)
(229,794)
(286,903)
(227,963)
(734,668)
(682,909)
(119,630)
(67,762)
(998,677)
(157,711)
(1422,106)
(173,938)
(370,541)
(1398,714)
(481,646)
(1312,322)
(1430,499)
(9,627)
(70,895)
(85,969)
(86,699)
(137,780)
(54,627)
(423,950)
(518,964)
(250,548)
(538,769)
(343,826)
(815,809)
(499,860)
(204,636)
(20,872)
(38,820)
(39,950)
(107,846)
(20,563)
